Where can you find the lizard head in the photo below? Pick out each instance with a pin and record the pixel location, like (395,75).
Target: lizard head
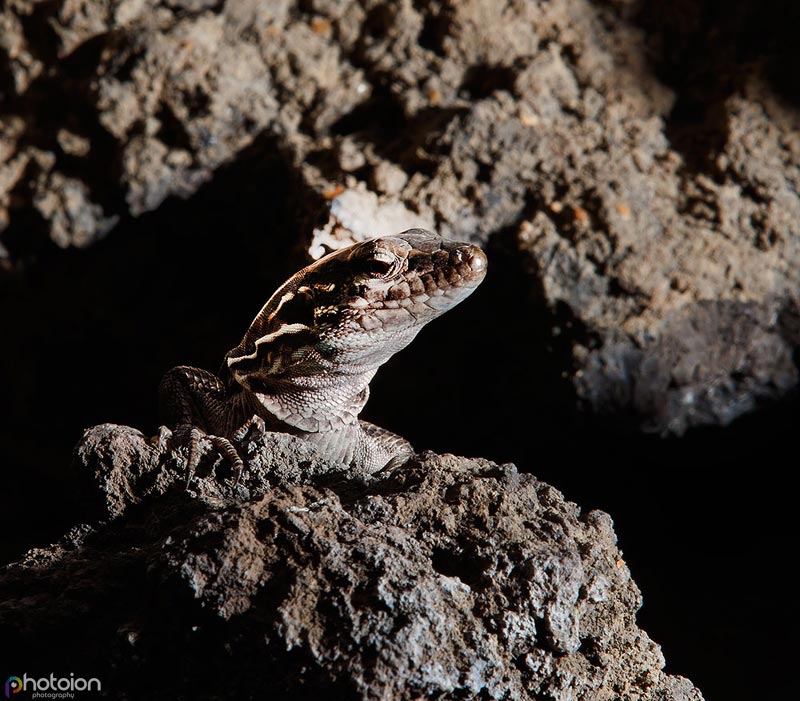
(340,318)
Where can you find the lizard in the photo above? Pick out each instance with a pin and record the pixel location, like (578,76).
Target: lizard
(305,363)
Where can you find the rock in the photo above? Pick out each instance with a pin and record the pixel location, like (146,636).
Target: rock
(450,577)
(708,364)
(358,214)
(389,178)
(75,220)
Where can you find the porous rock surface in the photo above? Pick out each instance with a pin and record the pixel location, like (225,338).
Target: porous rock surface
(645,194)
(448,578)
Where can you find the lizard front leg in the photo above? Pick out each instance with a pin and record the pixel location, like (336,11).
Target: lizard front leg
(197,401)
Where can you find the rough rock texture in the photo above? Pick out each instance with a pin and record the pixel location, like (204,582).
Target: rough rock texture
(449,578)
(642,200)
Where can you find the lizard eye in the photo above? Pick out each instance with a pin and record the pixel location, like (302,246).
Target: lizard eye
(382,265)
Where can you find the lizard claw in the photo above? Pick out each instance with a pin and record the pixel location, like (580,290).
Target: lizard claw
(193,458)
(239,436)
(254,420)
(222,444)
(231,454)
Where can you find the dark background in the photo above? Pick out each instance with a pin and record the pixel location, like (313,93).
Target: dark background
(706,522)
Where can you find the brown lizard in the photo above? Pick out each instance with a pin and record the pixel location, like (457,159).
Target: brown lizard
(305,363)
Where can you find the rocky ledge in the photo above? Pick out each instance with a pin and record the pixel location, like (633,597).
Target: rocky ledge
(450,577)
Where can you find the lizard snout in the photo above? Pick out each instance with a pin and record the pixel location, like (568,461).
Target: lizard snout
(475,258)
(470,263)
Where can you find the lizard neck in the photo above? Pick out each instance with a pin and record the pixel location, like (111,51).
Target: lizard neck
(316,404)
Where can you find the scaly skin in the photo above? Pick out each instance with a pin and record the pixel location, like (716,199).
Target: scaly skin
(305,363)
